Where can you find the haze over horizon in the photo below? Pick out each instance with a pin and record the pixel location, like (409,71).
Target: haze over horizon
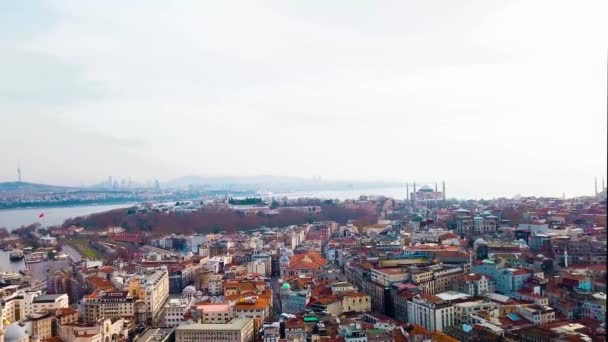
(478,94)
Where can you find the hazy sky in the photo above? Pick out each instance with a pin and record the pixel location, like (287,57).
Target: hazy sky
(495,97)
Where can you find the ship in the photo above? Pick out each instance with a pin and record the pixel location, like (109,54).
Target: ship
(16,255)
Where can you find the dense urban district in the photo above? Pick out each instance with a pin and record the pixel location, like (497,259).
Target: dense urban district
(420,268)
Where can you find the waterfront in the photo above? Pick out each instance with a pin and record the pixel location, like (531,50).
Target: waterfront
(6,265)
(15,218)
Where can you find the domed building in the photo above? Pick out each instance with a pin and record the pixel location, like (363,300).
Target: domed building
(188,292)
(14,333)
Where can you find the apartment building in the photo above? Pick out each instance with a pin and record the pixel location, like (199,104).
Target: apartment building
(387,276)
(434,312)
(101,304)
(475,284)
(464,310)
(152,288)
(537,314)
(237,330)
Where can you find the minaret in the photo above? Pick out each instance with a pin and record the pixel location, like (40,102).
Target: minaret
(414,196)
(565,258)
(19,171)
(443,185)
(435,186)
(407,191)
(595,186)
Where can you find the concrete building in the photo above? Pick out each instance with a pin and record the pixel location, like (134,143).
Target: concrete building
(477,225)
(108,305)
(387,276)
(237,330)
(152,289)
(356,302)
(475,284)
(537,314)
(434,312)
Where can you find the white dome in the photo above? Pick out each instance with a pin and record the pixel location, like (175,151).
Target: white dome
(189,290)
(479,241)
(15,333)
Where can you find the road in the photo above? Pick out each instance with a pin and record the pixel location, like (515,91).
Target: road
(72,253)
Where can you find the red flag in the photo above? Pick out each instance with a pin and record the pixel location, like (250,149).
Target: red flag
(41,215)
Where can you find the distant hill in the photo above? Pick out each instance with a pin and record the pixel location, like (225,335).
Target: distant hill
(275,183)
(33,187)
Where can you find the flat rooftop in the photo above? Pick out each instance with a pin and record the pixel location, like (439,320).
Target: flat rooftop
(235,324)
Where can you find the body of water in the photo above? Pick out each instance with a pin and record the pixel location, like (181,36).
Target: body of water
(6,265)
(15,218)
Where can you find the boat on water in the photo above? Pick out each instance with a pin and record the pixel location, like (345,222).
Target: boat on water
(7,248)
(16,255)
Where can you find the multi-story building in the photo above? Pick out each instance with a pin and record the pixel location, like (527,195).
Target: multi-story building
(152,288)
(21,304)
(441,279)
(356,302)
(39,324)
(475,284)
(293,301)
(507,280)
(387,276)
(174,311)
(434,312)
(102,304)
(477,225)
(237,330)
(464,310)
(594,307)
(306,264)
(537,314)
(265,259)
(106,330)
(215,285)
(295,330)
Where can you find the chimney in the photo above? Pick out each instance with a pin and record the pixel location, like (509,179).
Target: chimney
(443,184)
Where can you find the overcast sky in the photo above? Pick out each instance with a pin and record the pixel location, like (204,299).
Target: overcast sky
(495,97)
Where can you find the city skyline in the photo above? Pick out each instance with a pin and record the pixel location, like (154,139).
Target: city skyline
(406,91)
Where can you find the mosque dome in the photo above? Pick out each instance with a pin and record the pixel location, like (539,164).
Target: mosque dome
(189,290)
(426,188)
(286,286)
(198,294)
(15,333)
(479,242)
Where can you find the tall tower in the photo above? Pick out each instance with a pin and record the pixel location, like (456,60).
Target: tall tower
(443,185)
(407,191)
(595,186)
(435,186)
(414,196)
(19,171)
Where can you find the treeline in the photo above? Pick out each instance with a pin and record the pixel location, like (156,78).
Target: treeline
(246,201)
(209,220)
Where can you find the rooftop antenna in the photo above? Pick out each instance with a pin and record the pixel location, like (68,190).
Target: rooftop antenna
(19,171)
